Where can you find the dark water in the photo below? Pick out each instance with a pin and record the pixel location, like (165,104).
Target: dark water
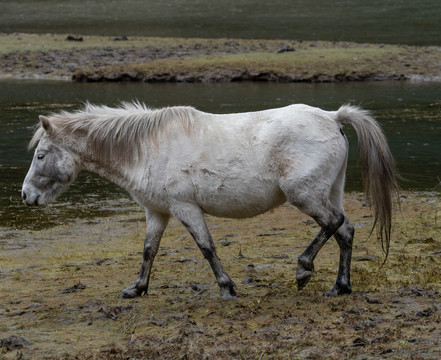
(410,114)
(378,21)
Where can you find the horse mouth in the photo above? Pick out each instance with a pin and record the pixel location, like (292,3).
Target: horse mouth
(34,203)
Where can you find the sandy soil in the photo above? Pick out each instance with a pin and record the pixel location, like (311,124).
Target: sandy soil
(60,290)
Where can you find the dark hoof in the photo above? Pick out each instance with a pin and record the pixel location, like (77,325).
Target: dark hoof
(131,292)
(229,297)
(303,279)
(304,273)
(339,290)
(228,292)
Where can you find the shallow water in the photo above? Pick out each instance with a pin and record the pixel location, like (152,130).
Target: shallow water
(409,113)
(375,21)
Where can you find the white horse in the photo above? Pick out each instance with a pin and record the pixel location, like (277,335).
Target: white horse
(182,162)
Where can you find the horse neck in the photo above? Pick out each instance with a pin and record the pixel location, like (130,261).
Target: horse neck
(115,171)
(112,173)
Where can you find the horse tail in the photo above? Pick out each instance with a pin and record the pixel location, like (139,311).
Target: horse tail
(378,168)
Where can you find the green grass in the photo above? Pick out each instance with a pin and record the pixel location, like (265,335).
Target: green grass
(334,60)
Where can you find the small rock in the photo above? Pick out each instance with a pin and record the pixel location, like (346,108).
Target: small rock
(361,341)
(286,49)
(425,313)
(33,306)
(158,322)
(370,300)
(264,266)
(73,289)
(13,342)
(271,234)
(250,281)
(195,287)
(281,256)
(366,258)
(308,222)
(108,313)
(122,38)
(73,38)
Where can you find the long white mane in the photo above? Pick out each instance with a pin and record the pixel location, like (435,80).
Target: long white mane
(114,134)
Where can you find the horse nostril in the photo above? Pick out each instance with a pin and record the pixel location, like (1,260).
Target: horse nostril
(24,195)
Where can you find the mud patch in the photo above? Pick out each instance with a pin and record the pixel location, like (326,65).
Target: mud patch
(394,311)
(73,289)
(13,343)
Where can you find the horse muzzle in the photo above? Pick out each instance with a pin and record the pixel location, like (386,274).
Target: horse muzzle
(31,198)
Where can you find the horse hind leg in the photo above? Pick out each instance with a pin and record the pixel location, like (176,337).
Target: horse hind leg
(344,237)
(329,220)
(314,201)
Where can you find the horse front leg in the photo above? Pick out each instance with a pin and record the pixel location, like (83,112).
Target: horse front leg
(156,224)
(344,237)
(192,218)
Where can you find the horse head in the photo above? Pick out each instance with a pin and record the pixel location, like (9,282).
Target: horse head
(52,169)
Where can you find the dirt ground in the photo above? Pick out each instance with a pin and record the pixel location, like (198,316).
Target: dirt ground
(60,290)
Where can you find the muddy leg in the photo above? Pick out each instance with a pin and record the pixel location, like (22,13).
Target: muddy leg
(305,266)
(156,224)
(344,237)
(192,218)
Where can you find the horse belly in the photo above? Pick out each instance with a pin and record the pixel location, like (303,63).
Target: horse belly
(239,199)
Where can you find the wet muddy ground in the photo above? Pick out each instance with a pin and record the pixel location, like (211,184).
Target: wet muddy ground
(60,290)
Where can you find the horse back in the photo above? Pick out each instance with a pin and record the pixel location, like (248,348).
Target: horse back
(231,164)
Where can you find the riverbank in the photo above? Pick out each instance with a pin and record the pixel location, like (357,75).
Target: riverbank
(101,58)
(60,290)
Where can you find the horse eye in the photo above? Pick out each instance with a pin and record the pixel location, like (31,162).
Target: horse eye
(40,156)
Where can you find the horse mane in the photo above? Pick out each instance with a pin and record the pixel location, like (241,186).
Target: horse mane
(119,134)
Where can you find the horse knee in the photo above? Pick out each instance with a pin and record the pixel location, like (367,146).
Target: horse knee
(345,234)
(149,252)
(350,231)
(348,227)
(339,221)
(330,224)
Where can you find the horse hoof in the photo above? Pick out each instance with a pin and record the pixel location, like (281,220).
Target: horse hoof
(338,291)
(130,293)
(304,272)
(229,297)
(332,293)
(303,279)
(228,293)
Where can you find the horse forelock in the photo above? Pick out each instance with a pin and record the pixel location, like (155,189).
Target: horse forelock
(38,134)
(118,134)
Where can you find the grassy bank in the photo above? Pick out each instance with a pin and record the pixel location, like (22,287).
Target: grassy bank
(99,58)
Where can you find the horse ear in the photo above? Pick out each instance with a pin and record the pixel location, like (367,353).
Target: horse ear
(46,124)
